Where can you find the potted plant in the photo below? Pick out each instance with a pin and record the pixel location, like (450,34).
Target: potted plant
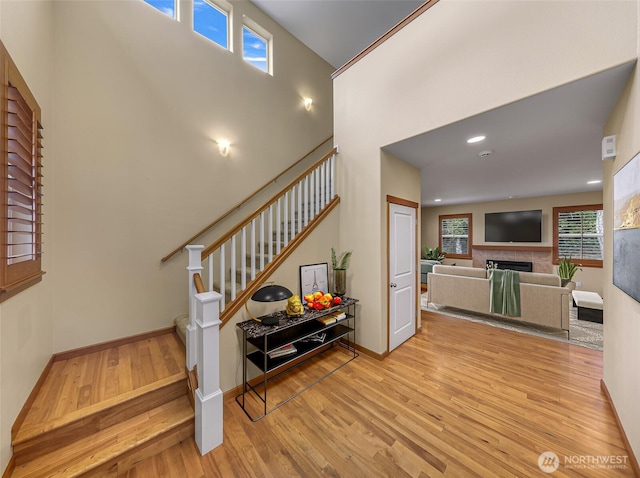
(433,254)
(340,264)
(567,269)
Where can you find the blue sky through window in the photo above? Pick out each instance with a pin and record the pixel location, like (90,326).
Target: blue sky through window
(254,49)
(211,22)
(168,7)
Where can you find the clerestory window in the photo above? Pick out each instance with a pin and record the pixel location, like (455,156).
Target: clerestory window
(256,46)
(211,20)
(168,7)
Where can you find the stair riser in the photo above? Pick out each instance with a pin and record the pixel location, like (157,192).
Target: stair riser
(127,461)
(51,440)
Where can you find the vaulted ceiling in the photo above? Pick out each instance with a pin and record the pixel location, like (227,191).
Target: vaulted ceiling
(547,144)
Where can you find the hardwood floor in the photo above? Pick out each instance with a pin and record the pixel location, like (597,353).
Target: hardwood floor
(87,380)
(459,399)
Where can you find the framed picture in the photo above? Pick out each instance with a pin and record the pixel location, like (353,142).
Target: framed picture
(314,277)
(626,228)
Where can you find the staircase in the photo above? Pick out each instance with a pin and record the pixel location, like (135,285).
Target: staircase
(100,411)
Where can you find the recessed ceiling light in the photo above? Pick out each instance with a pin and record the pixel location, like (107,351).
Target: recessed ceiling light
(437,200)
(595,181)
(476,139)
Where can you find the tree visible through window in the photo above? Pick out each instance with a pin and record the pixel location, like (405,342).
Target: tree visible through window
(455,235)
(578,233)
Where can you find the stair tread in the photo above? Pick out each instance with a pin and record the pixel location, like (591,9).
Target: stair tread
(28,432)
(106,445)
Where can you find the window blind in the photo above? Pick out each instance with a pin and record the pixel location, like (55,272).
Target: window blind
(21,178)
(580,234)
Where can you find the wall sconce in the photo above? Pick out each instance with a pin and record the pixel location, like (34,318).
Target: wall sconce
(307,103)
(224,147)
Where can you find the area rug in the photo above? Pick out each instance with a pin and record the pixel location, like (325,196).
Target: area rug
(582,333)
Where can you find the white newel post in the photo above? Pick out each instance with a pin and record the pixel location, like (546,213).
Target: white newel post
(208,399)
(195,266)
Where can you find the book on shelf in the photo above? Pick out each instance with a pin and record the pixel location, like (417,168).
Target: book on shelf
(288,349)
(332,317)
(315,338)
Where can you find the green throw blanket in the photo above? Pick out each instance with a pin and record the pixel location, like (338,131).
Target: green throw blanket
(504,292)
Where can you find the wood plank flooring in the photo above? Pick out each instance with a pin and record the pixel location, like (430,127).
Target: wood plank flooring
(459,399)
(88,381)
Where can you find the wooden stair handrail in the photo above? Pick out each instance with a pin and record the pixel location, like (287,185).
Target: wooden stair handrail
(241,203)
(199,285)
(270,268)
(238,228)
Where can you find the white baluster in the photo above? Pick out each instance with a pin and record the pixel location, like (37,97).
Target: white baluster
(332,190)
(312,194)
(261,241)
(293,212)
(318,201)
(252,248)
(210,270)
(223,285)
(232,272)
(286,218)
(300,206)
(243,259)
(278,225)
(305,203)
(323,199)
(270,229)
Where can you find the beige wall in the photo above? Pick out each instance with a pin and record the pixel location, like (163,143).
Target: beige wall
(132,104)
(621,312)
(498,52)
(140,101)
(590,278)
(401,180)
(26,320)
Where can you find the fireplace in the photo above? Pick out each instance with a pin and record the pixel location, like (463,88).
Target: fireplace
(521,266)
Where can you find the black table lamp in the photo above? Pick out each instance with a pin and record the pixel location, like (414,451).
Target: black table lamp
(269,293)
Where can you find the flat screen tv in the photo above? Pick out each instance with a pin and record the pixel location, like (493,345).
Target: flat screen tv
(513,226)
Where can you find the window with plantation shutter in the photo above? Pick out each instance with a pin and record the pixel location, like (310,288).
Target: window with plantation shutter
(455,235)
(21,135)
(578,234)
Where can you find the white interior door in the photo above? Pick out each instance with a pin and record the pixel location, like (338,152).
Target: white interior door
(402,274)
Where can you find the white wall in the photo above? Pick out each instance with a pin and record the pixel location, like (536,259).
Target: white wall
(591,278)
(622,313)
(26,320)
(458,59)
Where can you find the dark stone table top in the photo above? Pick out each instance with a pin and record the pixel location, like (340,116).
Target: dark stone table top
(255,329)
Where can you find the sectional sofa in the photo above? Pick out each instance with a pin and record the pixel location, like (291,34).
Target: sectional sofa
(543,300)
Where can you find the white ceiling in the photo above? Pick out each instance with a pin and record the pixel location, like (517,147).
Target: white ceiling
(550,143)
(547,144)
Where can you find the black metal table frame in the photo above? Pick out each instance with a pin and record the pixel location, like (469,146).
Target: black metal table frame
(247,387)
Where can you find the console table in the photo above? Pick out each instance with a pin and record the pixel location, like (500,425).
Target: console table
(259,341)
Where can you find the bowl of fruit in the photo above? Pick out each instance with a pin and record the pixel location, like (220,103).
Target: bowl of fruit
(320,301)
